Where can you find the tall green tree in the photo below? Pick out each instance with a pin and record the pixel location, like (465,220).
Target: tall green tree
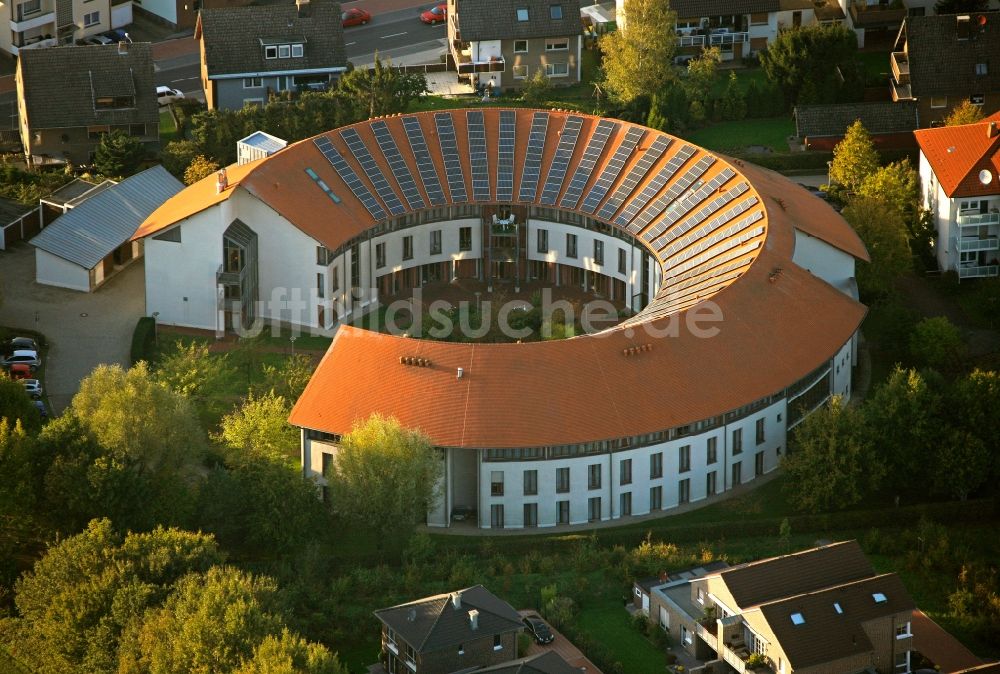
(638,59)
(192,371)
(259,428)
(936,342)
(964,113)
(854,158)
(884,233)
(536,90)
(291,654)
(815,64)
(897,185)
(833,464)
(702,73)
(289,378)
(382,90)
(977,394)
(960,464)
(385,476)
(118,154)
(199,168)
(15,405)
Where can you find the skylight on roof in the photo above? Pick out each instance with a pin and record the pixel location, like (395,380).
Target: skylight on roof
(879,598)
(798,619)
(522,13)
(837,608)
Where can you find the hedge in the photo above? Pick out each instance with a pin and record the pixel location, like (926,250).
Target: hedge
(143,338)
(797,161)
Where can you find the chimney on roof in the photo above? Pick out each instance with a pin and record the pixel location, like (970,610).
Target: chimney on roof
(412,615)
(461,373)
(963,25)
(663,576)
(303,8)
(221,181)
(123,47)
(991,130)
(474,620)
(456,599)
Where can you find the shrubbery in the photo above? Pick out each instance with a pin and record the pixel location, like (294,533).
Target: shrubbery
(143,339)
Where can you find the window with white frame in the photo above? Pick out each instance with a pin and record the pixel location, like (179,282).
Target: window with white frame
(297,51)
(284,51)
(435,242)
(522,13)
(520,46)
(271,52)
(939,101)
(253,102)
(556,69)
(903,630)
(561,44)
(252,82)
(520,72)
(622,261)
(91,19)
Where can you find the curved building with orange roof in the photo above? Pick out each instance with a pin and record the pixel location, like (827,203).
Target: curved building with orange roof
(742,282)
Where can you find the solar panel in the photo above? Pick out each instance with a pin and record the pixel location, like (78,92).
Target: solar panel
(612,169)
(649,157)
(449,152)
(680,208)
(505,160)
(425,166)
(712,232)
(650,190)
(372,170)
(533,157)
(397,165)
(477,155)
(699,216)
(349,177)
(675,190)
(560,162)
(586,166)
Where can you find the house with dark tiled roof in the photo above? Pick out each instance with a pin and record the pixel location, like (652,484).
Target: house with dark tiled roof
(823,610)
(548,662)
(891,125)
(940,61)
(960,185)
(100,89)
(501,44)
(460,631)
(251,53)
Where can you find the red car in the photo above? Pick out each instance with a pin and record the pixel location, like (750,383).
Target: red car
(435,14)
(355,17)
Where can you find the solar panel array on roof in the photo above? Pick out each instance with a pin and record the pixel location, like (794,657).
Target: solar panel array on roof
(698,217)
(649,157)
(449,152)
(397,165)
(650,190)
(612,169)
(477,156)
(560,161)
(586,166)
(533,157)
(505,163)
(425,165)
(372,170)
(349,177)
(713,232)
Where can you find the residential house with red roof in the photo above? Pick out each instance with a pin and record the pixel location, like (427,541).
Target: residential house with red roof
(960,185)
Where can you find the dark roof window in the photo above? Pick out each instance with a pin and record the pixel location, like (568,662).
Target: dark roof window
(522,13)
(555,12)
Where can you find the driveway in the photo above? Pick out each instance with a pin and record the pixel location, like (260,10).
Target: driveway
(83,329)
(563,646)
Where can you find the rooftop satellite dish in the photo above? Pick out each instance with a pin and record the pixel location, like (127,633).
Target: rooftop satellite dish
(985,177)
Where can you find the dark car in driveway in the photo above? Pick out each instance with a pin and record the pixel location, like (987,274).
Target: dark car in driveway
(462,513)
(538,629)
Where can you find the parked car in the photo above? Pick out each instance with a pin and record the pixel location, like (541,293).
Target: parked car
(24,357)
(355,16)
(166,95)
(20,343)
(98,40)
(33,388)
(435,14)
(116,35)
(40,406)
(816,191)
(462,513)
(539,630)
(20,371)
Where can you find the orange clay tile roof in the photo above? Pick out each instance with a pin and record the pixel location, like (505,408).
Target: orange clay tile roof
(720,231)
(957,154)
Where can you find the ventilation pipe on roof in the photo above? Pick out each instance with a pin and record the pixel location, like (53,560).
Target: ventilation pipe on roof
(221,181)
(412,615)
(991,130)
(123,48)
(460,373)
(456,599)
(474,619)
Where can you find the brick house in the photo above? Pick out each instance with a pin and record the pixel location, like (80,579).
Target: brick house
(68,97)
(941,61)
(444,633)
(823,610)
(505,42)
(36,24)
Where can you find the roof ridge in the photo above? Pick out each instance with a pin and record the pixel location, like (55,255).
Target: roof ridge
(829,588)
(797,553)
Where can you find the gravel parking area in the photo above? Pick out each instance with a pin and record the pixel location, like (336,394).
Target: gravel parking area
(82,329)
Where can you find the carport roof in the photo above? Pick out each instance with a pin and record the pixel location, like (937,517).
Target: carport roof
(92,230)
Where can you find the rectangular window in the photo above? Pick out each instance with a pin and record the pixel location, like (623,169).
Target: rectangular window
(981,69)
(297,51)
(95,132)
(625,471)
(622,260)
(571,245)
(28,8)
(271,52)
(684,491)
(655,498)
(543,241)
(556,69)
(594,509)
(625,504)
(496,516)
(530,482)
(737,474)
(520,72)
(712,454)
(252,83)
(522,13)
(758,464)
(562,480)
(758,19)
(710,484)
(379,255)
(137,130)
(656,465)
(594,476)
(335,279)
(284,51)
(555,12)
(939,101)
(700,595)
(253,102)
(977,99)
(737,441)
(320,286)
(436,242)
(408,247)
(563,508)
(327,462)
(324,256)
(531,514)
(520,46)
(465,238)
(91,19)
(598,252)
(684,459)
(760,431)
(557,45)
(496,483)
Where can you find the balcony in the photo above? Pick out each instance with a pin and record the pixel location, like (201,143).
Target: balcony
(978,272)
(466,65)
(971,244)
(900,67)
(34,20)
(38,44)
(876,16)
(978,219)
(716,36)
(707,635)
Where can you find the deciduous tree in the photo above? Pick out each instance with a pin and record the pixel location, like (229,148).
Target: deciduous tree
(960,463)
(192,371)
(638,59)
(382,90)
(815,64)
(937,343)
(200,167)
(291,654)
(537,89)
(883,232)
(259,428)
(897,185)
(702,72)
(964,113)
(118,154)
(854,158)
(15,405)
(178,155)
(289,379)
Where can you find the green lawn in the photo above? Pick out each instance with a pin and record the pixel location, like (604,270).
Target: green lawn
(168,130)
(609,623)
(876,67)
(771,132)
